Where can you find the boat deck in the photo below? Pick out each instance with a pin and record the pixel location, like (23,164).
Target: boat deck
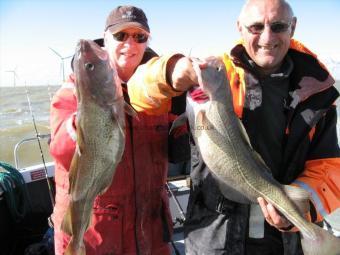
(32,230)
(178,241)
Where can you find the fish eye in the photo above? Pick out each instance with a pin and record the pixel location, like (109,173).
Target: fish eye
(89,66)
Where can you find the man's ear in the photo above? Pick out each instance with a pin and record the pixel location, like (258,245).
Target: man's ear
(293,26)
(239,26)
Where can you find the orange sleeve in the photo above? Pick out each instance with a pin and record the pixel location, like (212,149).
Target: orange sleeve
(321,178)
(62,122)
(148,88)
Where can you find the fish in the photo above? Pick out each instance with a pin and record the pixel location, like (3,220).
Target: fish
(100,126)
(225,148)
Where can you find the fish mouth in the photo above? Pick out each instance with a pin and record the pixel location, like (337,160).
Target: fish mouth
(198,95)
(90,48)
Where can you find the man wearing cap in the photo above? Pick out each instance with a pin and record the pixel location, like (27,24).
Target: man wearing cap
(132,216)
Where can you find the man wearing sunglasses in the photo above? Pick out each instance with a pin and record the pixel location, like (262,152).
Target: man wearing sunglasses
(285,99)
(132,216)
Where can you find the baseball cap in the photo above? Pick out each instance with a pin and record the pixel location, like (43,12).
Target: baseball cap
(126,16)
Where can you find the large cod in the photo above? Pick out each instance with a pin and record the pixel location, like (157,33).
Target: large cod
(100,128)
(225,148)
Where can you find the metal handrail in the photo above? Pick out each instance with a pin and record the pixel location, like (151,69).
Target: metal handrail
(25,140)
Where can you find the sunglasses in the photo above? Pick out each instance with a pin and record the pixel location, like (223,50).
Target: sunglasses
(275,27)
(137,37)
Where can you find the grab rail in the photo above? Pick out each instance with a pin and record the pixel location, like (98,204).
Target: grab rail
(25,140)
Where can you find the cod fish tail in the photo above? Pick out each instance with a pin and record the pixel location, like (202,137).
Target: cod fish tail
(325,243)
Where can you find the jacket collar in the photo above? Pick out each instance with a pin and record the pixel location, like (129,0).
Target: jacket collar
(308,76)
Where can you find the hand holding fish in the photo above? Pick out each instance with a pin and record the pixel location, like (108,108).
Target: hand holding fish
(181,73)
(273,217)
(225,148)
(277,219)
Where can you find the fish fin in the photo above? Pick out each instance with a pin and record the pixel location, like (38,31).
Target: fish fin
(261,161)
(178,122)
(80,141)
(103,191)
(244,133)
(71,250)
(324,243)
(119,118)
(66,224)
(203,123)
(73,171)
(108,182)
(246,139)
(299,197)
(121,129)
(295,192)
(78,150)
(130,111)
(200,119)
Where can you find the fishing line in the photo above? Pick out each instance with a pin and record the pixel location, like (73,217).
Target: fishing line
(50,188)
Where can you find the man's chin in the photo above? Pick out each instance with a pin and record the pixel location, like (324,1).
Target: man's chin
(125,62)
(267,62)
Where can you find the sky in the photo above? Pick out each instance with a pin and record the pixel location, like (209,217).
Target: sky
(29,28)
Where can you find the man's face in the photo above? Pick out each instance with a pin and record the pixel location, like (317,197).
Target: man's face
(125,50)
(266,28)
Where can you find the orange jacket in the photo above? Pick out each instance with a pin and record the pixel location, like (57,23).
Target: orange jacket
(321,177)
(133,214)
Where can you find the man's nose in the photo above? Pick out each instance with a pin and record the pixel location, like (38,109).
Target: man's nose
(130,40)
(267,34)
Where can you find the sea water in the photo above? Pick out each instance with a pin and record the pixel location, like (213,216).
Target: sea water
(16,123)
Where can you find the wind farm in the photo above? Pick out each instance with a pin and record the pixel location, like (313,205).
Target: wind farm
(62,62)
(15,76)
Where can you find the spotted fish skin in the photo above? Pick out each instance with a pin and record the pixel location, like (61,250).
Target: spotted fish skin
(100,128)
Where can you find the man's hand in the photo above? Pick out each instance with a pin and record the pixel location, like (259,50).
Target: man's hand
(273,217)
(180,73)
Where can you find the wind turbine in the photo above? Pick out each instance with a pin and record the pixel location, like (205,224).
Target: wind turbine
(62,61)
(14,75)
(334,65)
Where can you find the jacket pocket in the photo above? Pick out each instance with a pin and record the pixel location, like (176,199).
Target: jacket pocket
(107,227)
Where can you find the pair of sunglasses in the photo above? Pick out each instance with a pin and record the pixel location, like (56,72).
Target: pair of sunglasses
(275,27)
(137,37)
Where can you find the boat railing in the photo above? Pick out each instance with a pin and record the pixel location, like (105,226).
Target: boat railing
(177,185)
(26,140)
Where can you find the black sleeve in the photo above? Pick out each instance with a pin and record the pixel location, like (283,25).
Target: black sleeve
(325,140)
